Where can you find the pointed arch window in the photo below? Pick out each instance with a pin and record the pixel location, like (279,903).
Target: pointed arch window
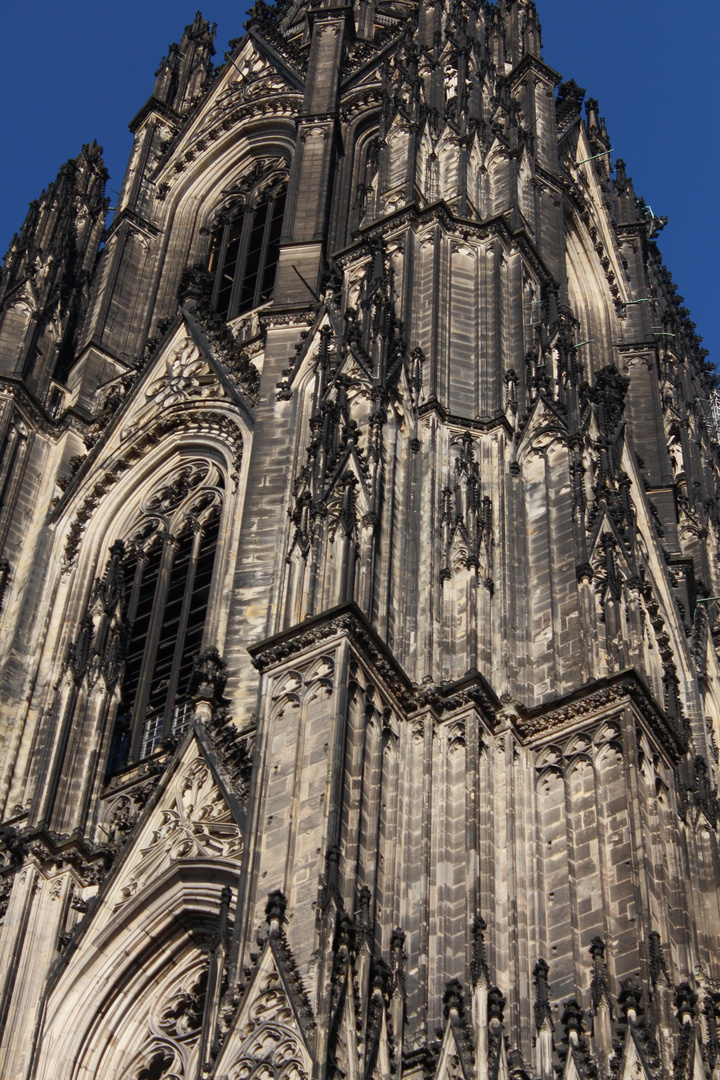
(166,581)
(244,249)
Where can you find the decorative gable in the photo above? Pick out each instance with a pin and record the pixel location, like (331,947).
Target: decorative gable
(453,1063)
(192,817)
(270,1035)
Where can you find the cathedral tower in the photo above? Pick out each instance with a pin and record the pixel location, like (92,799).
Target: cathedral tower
(359,693)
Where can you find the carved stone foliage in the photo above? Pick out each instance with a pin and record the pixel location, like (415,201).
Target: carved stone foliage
(193,820)
(697,794)
(467,516)
(121,812)
(360,376)
(187,375)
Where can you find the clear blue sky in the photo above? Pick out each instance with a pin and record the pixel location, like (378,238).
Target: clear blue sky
(75,70)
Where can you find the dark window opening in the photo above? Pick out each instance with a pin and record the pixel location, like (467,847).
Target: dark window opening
(244,253)
(167,590)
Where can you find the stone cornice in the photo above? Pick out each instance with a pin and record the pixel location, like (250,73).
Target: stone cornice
(154,105)
(487,424)
(466,227)
(349,620)
(35,413)
(627,687)
(529,725)
(532,63)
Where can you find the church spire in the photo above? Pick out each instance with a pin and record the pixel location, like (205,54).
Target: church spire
(185,71)
(45,279)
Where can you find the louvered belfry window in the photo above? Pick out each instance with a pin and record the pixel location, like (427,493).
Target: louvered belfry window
(167,576)
(244,250)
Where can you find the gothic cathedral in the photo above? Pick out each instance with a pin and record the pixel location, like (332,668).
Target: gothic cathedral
(359,693)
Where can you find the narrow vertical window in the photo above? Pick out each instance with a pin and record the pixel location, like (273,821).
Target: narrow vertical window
(167,578)
(244,252)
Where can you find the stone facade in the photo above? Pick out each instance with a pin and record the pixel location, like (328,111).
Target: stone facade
(359,697)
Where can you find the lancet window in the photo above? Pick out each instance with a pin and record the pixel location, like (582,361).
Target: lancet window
(167,575)
(245,244)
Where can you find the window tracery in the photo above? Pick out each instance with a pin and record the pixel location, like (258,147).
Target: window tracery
(173,1029)
(166,577)
(245,241)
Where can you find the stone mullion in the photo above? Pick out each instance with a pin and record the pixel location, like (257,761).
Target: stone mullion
(512,843)
(573,822)
(524,896)
(181,631)
(405,601)
(248,219)
(681,904)
(12,941)
(336,751)
(661,859)
(151,643)
(241,942)
(542,941)
(473,586)
(513,355)
(534,882)
(493,334)
(336,744)
(437,879)
(55,755)
(12,483)
(486,839)
(388,831)
(428,566)
(557,681)
(353,781)
(315,593)
(425,1006)
(637,845)
(94,790)
(519,601)
(435,386)
(381,608)
(500,924)
(604,865)
(471,795)
(369,816)
(73,801)
(504,324)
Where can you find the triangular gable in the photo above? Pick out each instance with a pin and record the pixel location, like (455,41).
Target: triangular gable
(327,318)
(270,1027)
(257,72)
(634,1066)
(183,372)
(192,816)
(378,1064)
(698,1064)
(343,1030)
(572,1071)
(544,419)
(605,524)
(23,293)
(499,1068)
(451,1063)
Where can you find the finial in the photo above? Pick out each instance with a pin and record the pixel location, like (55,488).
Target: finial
(275,911)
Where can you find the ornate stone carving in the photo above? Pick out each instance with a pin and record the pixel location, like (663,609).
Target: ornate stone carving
(193,821)
(186,375)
